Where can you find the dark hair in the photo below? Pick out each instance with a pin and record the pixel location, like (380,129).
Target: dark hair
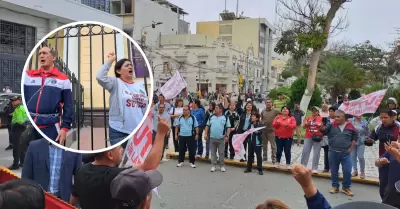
(212,105)
(390,112)
(198,103)
(177,100)
(118,66)
(285,106)
(247,104)
(220,106)
(21,193)
(257,114)
(332,108)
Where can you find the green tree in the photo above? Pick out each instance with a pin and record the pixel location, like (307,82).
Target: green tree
(310,26)
(273,93)
(297,89)
(339,74)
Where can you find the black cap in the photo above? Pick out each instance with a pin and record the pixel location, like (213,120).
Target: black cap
(132,185)
(15,98)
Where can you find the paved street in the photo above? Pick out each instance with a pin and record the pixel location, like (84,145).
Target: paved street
(198,188)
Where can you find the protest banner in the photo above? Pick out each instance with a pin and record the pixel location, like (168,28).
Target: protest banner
(238,139)
(366,104)
(139,146)
(173,86)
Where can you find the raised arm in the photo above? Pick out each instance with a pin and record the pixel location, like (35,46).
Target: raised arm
(102,77)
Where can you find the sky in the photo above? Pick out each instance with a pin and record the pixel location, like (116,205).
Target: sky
(368,19)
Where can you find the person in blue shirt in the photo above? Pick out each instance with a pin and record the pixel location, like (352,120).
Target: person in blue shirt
(200,113)
(219,128)
(187,132)
(255,143)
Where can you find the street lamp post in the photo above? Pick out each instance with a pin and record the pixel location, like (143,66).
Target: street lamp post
(142,39)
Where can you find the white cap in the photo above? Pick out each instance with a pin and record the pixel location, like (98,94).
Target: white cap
(248,100)
(393,99)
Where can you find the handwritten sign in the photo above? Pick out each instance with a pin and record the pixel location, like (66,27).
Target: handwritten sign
(173,86)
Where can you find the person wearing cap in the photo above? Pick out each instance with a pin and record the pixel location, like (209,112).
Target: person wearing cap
(92,182)
(312,139)
(19,122)
(6,120)
(132,188)
(342,139)
(268,136)
(393,105)
(48,98)
(282,101)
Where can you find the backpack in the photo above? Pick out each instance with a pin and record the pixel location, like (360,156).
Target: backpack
(193,128)
(226,121)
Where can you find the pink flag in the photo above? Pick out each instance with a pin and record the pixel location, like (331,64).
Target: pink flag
(366,104)
(238,139)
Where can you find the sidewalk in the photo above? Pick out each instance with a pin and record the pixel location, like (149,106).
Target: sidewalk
(85,141)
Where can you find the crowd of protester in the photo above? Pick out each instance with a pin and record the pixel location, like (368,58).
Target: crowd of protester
(98,181)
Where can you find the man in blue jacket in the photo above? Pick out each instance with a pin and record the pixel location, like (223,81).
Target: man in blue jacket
(51,167)
(48,96)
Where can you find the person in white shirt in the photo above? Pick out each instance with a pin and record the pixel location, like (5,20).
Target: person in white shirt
(128,100)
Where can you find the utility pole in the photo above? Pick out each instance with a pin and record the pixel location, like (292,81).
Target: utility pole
(198,88)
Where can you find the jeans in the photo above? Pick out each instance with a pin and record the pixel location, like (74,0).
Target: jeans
(217,146)
(305,156)
(200,142)
(187,143)
(335,160)
(284,145)
(358,152)
(117,136)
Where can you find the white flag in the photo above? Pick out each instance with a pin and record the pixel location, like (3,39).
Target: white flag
(173,86)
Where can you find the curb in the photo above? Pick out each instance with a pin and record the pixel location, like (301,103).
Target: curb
(270,167)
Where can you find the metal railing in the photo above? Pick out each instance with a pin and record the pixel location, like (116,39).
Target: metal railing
(85,114)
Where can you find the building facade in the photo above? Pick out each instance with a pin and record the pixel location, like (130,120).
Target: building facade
(245,33)
(169,20)
(205,62)
(23,23)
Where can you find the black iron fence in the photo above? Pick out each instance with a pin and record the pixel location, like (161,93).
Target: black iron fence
(86,115)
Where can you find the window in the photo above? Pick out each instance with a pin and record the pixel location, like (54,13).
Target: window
(222,66)
(16,38)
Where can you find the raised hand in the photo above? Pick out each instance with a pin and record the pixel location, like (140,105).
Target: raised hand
(111,57)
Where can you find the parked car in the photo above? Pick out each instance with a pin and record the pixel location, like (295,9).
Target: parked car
(4,101)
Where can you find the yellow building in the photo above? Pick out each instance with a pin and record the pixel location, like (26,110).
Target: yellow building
(90,56)
(246,33)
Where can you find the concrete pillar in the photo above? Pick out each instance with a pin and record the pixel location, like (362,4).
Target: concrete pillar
(53,24)
(72,50)
(177,28)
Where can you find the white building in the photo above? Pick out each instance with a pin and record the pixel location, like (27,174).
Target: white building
(24,22)
(167,17)
(217,63)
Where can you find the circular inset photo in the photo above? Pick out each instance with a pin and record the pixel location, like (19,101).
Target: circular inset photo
(86,87)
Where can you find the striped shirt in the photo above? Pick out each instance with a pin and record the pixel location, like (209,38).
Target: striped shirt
(55,156)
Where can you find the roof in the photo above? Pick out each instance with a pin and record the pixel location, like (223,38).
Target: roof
(173,7)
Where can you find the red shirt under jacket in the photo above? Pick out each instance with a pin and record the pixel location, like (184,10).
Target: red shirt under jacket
(284,127)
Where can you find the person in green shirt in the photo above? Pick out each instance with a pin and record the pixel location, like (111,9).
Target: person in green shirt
(282,100)
(19,122)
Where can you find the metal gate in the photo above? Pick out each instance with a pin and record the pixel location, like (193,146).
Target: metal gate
(16,42)
(86,115)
